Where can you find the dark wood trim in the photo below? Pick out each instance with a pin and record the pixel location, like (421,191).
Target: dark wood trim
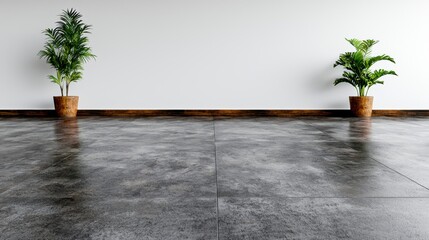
(214,113)
(400,113)
(27,113)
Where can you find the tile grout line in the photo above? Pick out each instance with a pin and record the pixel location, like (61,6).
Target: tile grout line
(217,188)
(400,173)
(412,180)
(322,197)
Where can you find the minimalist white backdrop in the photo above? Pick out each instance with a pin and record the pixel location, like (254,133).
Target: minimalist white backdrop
(217,54)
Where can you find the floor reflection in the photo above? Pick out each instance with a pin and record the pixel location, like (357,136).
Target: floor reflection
(67,133)
(63,184)
(360,129)
(360,135)
(348,169)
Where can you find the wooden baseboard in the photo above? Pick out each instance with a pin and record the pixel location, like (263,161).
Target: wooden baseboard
(27,113)
(215,113)
(400,113)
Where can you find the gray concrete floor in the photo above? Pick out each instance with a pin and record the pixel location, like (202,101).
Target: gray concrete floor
(204,178)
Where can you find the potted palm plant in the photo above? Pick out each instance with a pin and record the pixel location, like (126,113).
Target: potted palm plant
(66,50)
(358,73)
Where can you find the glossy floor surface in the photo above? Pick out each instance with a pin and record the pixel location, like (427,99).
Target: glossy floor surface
(204,178)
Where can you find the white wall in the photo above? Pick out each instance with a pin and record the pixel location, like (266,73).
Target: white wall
(217,54)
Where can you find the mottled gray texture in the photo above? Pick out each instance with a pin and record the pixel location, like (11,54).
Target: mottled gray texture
(400,144)
(324,218)
(108,218)
(204,178)
(286,169)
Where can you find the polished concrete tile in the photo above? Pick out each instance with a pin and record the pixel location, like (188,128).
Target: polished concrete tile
(204,178)
(399,143)
(323,218)
(159,172)
(108,218)
(373,129)
(410,160)
(291,169)
(174,159)
(267,129)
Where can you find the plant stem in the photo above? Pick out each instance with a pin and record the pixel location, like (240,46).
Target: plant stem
(67,89)
(362,91)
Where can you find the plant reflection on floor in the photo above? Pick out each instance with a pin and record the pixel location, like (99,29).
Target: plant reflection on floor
(350,171)
(360,135)
(63,184)
(360,129)
(67,134)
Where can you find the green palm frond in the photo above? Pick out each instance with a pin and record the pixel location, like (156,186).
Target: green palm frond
(372,60)
(66,48)
(55,79)
(381,73)
(366,46)
(343,80)
(355,43)
(358,65)
(363,46)
(75,76)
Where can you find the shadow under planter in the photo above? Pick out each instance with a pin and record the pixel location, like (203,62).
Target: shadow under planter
(66,106)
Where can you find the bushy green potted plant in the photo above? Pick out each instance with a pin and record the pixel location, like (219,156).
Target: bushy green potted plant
(66,50)
(358,73)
